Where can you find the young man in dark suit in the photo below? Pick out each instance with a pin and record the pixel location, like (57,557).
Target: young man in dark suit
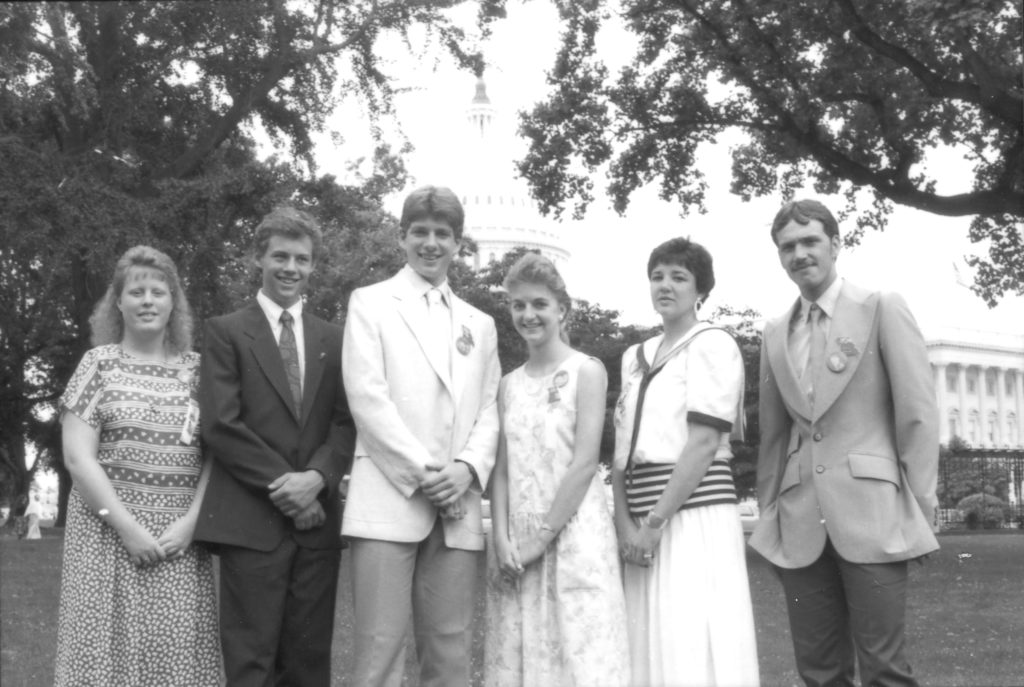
(276,423)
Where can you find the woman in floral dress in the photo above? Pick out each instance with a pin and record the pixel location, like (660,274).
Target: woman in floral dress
(137,602)
(555,610)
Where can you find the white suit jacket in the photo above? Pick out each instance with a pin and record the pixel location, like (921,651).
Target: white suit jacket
(407,408)
(861,466)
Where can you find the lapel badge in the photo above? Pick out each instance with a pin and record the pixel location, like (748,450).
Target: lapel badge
(322,356)
(464,344)
(560,380)
(837,362)
(847,346)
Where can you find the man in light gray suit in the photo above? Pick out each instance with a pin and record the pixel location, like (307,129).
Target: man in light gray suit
(421,372)
(848,460)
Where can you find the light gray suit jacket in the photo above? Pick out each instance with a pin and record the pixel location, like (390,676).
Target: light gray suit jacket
(861,466)
(409,410)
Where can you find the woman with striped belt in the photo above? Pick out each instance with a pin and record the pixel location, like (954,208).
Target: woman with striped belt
(687,597)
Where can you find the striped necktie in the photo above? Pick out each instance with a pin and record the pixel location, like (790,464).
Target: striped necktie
(816,349)
(290,357)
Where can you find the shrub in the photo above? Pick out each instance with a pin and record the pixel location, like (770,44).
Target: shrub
(983,510)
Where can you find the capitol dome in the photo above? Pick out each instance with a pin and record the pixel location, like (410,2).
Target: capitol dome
(500,215)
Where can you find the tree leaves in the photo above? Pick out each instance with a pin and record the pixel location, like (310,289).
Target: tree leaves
(846,94)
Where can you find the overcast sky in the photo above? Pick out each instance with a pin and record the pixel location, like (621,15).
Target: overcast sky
(915,255)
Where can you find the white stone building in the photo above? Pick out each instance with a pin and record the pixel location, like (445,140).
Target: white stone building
(979,383)
(500,215)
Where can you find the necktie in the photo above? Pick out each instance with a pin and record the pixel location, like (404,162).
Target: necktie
(290,357)
(816,348)
(440,329)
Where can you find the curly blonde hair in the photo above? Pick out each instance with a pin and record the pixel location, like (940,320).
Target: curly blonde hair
(107,323)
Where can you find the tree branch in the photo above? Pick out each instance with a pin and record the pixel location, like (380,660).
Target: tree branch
(278,65)
(994,100)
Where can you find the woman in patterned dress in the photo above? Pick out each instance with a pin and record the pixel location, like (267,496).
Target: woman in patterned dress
(137,602)
(554,601)
(687,596)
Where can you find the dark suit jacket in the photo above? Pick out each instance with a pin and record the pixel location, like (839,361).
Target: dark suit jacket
(253,435)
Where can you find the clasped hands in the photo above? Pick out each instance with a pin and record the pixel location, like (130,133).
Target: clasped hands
(295,495)
(444,485)
(638,544)
(146,549)
(513,559)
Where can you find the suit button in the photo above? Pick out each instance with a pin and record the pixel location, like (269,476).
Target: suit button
(820,469)
(817,436)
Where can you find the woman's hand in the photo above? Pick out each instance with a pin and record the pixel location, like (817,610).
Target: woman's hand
(177,537)
(509,563)
(143,548)
(535,546)
(645,545)
(638,544)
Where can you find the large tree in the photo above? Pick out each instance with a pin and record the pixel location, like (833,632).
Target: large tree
(844,94)
(131,122)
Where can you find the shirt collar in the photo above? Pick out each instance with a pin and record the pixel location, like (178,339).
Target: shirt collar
(273,311)
(826,301)
(420,285)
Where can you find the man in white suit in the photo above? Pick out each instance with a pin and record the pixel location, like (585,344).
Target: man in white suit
(848,459)
(421,372)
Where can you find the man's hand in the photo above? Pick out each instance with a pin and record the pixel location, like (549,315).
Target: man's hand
(293,492)
(312,516)
(444,486)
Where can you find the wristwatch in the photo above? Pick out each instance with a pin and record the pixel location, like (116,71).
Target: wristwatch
(654,521)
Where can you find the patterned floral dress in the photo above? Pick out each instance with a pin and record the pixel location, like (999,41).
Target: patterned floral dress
(123,625)
(565,623)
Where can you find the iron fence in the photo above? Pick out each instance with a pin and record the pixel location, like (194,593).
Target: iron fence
(981,489)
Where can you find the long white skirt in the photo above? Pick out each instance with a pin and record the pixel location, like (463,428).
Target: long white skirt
(689,615)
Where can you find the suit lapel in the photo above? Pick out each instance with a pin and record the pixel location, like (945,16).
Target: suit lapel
(316,360)
(776,338)
(268,355)
(414,311)
(847,340)
(467,338)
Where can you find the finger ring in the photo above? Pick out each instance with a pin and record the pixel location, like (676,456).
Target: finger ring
(648,556)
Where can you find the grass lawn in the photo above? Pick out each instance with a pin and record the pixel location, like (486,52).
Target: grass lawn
(965,617)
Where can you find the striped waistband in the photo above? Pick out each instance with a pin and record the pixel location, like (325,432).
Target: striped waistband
(646,481)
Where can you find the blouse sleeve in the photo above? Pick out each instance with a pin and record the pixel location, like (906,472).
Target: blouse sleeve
(714,380)
(82,395)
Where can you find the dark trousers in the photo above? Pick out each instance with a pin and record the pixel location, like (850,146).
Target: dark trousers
(839,610)
(277,615)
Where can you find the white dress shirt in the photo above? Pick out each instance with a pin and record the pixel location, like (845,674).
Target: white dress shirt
(273,312)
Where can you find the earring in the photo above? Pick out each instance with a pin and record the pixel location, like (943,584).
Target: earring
(697,305)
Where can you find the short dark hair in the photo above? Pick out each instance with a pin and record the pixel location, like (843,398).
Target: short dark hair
(689,254)
(291,223)
(802,212)
(433,202)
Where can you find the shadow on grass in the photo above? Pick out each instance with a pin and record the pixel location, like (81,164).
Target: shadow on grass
(965,615)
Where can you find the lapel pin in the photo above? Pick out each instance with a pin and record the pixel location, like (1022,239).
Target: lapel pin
(464,343)
(560,380)
(837,362)
(847,346)
(323,355)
